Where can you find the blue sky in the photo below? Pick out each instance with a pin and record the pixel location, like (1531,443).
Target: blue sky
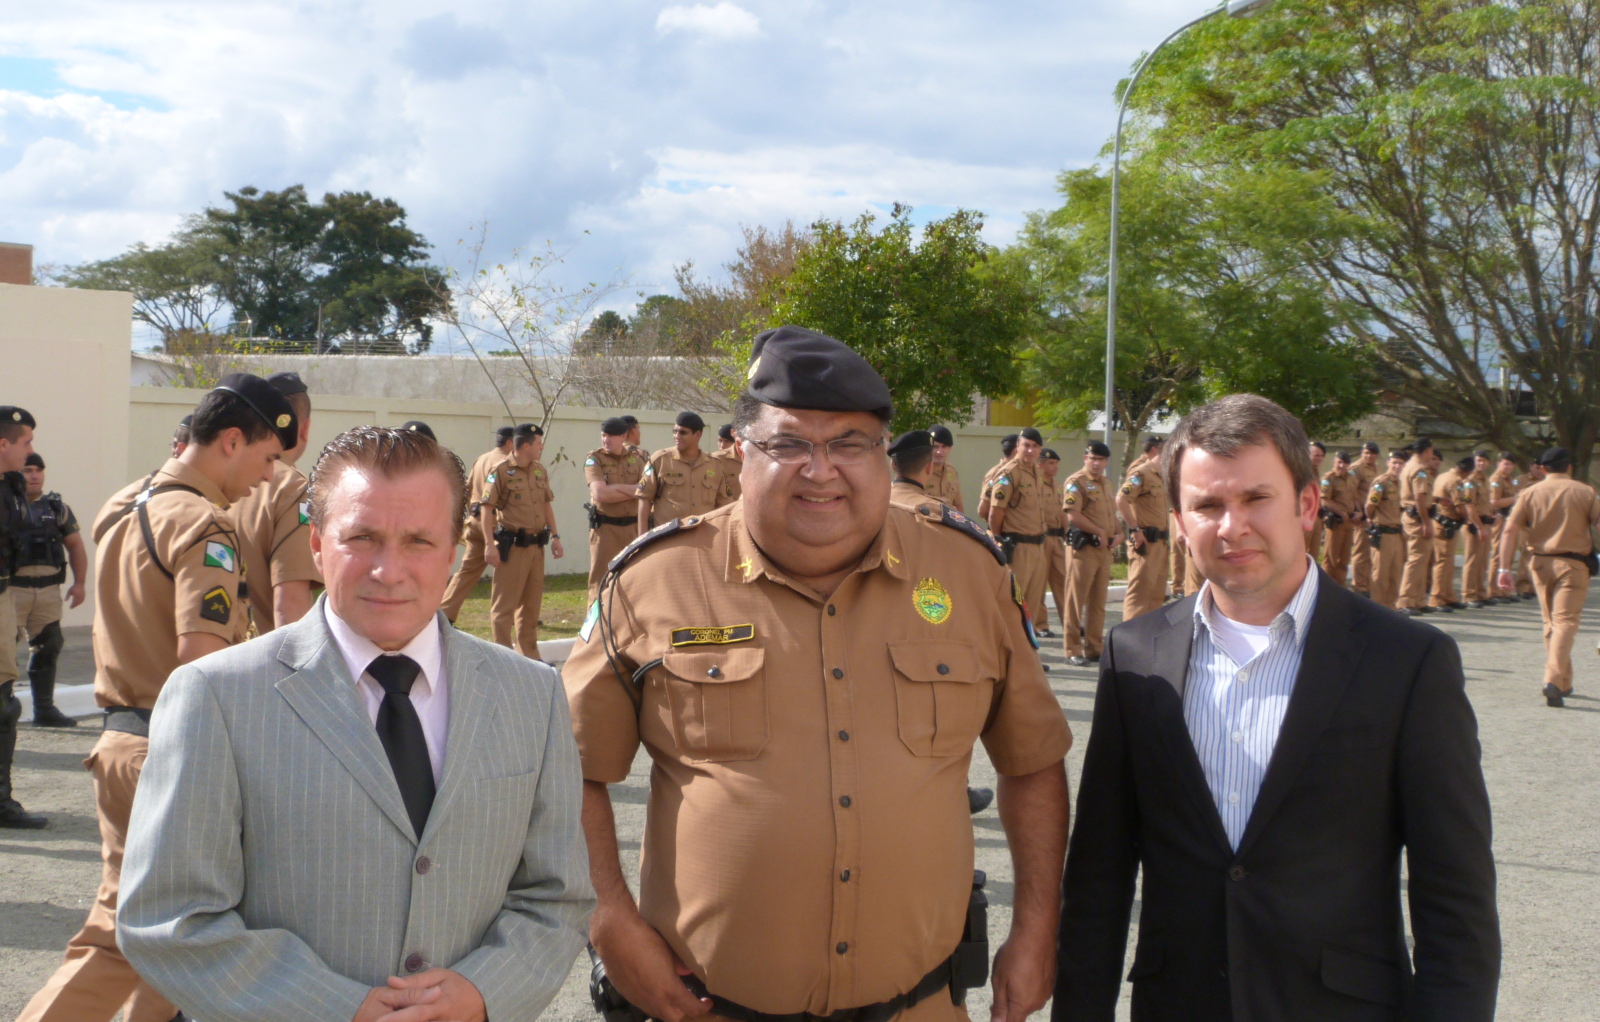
(656,127)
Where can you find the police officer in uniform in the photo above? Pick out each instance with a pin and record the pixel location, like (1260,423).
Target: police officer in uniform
(1055,538)
(1384,532)
(418,426)
(168,590)
(1451,521)
(1092,533)
(1017,518)
(809,684)
(274,526)
(1341,516)
(728,453)
(911,457)
(1472,501)
(1416,511)
(50,539)
(1365,469)
(1314,538)
(634,435)
(180,436)
(1504,488)
(1143,504)
(16,443)
(472,562)
(612,472)
(518,521)
(1008,448)
(682,480)
(945,484)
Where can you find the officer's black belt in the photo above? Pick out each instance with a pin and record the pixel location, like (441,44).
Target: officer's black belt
(129,720)
(1153,534)
(1060,533)
(522,537)
(1022,537)
(1387,530)
(600,519)
(55,578)
(932,983)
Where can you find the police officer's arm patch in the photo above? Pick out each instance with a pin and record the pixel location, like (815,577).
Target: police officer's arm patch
(216,605)
(956,520)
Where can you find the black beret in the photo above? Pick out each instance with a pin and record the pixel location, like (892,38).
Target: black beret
(266,401)
(13,414)
(1319,445)
(1153,441)
(1555,456)
(942,435)
(33,460)
(1008,443)
(912,440)
(418,426)
(1421,443)
(187,422)
(1049,455)
(1481,454)
(1400,453)
(1029,433)
(725,431)
(792,367)
(689,420)
(631,420)
(1370,445)
(615,426)
(528,429)
(1343,456)
(503,434)
(1507,456)
(287,383)
(1467,463)
(1097,449)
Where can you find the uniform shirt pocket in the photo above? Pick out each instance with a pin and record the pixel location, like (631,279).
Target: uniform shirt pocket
(940,698)
(718,701)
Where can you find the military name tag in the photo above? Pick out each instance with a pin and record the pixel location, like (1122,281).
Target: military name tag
(719,635)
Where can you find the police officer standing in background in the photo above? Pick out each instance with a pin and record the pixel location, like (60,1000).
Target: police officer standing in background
(1017,518)
(473,562)
(1472,500)
(1008,448)
(1416,511)
(1504,487)
(275,528)
(810,684)
(518,520)
(1341,514)
(634,435)
(49,541)
(1314,538)
(911,456)
(1366,469)
(16,443)
(612,472)
(728,453)
(167,592)
(1055,537)
(1449,520)
(180,436)
(682,480)
(1383,531)
(1558,515)
(1092,533)
(946,484)
(1143,504)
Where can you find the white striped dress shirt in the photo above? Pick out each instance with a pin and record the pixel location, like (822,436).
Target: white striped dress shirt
(1234,711)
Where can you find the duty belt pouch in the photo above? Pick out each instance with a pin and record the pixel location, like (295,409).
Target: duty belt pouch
(594,515)
(539,538)
(1077,538)
(1008,546)
(611,1005)
(969,966)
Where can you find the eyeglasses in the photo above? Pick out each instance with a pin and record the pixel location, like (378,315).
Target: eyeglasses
(789,450)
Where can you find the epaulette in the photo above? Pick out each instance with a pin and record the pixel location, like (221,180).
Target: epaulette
(659,532)
(956,520)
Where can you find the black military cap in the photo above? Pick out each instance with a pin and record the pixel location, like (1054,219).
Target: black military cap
(1401,453)
(13,414)
(1097,449)
(1029,433)
(1507,456)
(418,426)
(1153,441)
(528,429)
(1049,455)
(287,383)
(1319,445)
(689,420)
(725,431)
(1554,456)
(503,434)
(1467,464)
(792,367)
(615,426)
(1421,444)
(33,461)
(1008,443)
(1343,456)
(631,420)
(1370,445)
(266,401)
(187,422)
(912,440)
(942,435)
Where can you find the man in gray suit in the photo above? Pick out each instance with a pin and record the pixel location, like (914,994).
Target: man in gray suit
(366,814)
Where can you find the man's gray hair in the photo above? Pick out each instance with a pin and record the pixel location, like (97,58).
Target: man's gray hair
(1228,425)
(392,453)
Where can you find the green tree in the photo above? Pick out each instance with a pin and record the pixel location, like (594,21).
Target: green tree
(1461,139)
(604,335)
(934,315)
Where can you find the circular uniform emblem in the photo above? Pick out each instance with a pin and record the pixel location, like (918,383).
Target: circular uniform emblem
(932,601)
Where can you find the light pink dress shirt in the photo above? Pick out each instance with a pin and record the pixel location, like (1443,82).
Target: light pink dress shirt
(430,693)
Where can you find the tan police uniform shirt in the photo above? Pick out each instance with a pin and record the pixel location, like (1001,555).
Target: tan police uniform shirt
(1086,495)
(946,485)
(678,488)
(1472,492)
(1504,486)
(139,611)
(1019,488)
(518,495)
(1364,474)
(1054,517)
(1416,486)
(1556,515)
(730,472)
(274,527)
(811,755)
(1444,492)
(1340,493)
(480,471)
(623,469)
(1383,500)
(1147,492)
(912,496)
(984,488)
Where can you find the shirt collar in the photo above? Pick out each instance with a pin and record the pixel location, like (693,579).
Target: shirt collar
(358,651)
(188,475)
(1298,613)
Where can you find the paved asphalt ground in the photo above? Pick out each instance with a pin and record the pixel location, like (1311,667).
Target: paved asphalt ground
(1543,768)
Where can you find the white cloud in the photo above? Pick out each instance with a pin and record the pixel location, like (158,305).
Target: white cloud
(726,21)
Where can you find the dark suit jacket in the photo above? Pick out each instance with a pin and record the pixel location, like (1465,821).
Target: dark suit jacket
(1378,752)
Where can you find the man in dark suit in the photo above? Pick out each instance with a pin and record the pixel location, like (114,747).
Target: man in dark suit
(1265,750)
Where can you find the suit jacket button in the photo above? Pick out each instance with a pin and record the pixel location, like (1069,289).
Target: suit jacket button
(1237,873)
(423,865)
(414,963)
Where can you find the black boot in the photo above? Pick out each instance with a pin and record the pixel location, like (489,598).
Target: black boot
(11,813)
(46,648)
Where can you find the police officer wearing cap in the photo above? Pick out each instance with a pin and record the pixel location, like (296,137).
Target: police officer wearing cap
(1144,506)
(1008,448)
(911,457)
(1558,515)
(1366,468)
(180,436)
(612,472)
(1416,510)
(728,453)
(16,444)
(1341,513)
(518,520)
(634,436)
(169,589)
(418,426)
(682,480)
(1018,518)
(274,526)
(809,669)
(1092,533)
(1055,540)
(945,483)
(472,562)
(1383,532)
(50,540)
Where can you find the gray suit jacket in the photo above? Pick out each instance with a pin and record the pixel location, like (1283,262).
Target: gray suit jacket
(272,874)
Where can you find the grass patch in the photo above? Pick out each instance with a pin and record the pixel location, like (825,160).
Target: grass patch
(1119,572)
(560,616)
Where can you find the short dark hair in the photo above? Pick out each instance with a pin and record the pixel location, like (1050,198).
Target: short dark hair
(1008,444)
(222,410)
(1508,456)
(1228,425)
(911,462)
(393,453)
(300,401)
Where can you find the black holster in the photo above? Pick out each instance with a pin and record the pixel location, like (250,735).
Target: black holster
(1008,546)
(1077,539)
(1153,534)
(503,540)
(969,966)
(1330,518)
(1448,527)
(594,515)
(611,1005)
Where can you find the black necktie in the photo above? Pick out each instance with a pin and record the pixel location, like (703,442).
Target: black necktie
(400,731)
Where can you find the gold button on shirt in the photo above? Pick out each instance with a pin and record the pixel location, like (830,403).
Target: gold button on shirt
(811,755)
(678,488)
(518,495)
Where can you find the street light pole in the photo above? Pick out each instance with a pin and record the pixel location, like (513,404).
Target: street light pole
(1234,9)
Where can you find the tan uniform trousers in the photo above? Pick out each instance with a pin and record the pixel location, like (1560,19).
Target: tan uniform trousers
(1314,540)
(1474,587)
(1388,561)
(1055,550)
(605,543)
(1028,564)
(1419,562)
(1147,580)
(516,596)
(1443,591)
(35,608)
(1083,626)
(1562,585)
(466,576)
(1336,551)
(8,638)
(1361,561)
(95,980)
(1494,558)
(1180,560)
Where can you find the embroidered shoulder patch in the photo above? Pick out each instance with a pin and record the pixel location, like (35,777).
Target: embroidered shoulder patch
(956,520)
(220,555)
(659,532)
(216,605)
(932,601)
